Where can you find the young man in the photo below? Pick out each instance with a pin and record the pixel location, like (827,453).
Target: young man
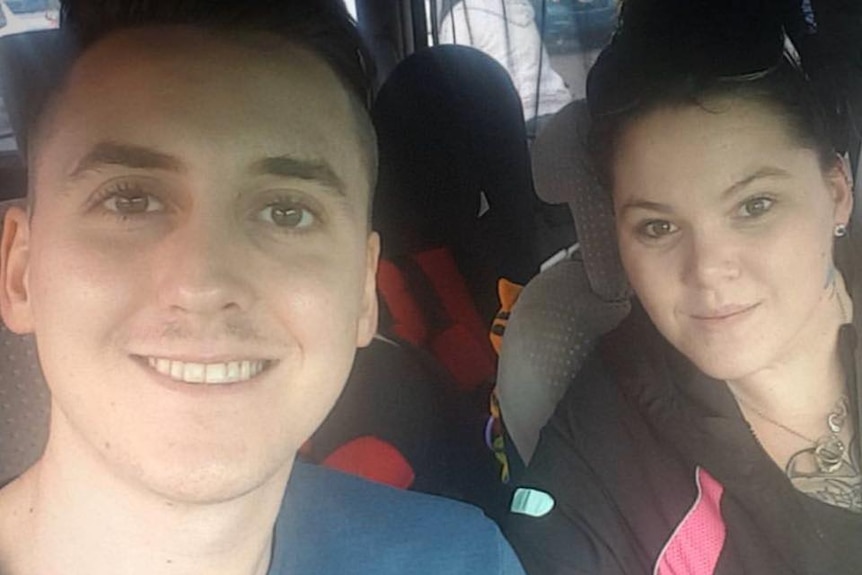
(198,270)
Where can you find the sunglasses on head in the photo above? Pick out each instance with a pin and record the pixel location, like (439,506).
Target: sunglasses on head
(650,49)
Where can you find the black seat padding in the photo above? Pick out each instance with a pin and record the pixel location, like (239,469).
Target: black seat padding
(450,130)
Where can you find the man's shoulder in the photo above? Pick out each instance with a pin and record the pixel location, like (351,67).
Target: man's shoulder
(353,497)
(332,522)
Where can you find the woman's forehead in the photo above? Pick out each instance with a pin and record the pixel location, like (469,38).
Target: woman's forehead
(710,146)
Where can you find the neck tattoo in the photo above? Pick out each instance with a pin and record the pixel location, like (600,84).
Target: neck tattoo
(825,470)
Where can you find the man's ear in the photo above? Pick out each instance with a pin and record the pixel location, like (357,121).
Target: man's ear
(841,186)
(14,271)
(368,317)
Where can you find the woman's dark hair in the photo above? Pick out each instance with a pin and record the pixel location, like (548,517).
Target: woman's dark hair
(783,90)
(696,53)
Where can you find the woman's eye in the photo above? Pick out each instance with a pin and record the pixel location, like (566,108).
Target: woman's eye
(755,207)
(290,216)
(657,229)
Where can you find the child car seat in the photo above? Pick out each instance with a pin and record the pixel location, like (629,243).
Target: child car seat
(454,166)
(455,211)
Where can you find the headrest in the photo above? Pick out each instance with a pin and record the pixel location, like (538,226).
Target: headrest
(455,167)
(449,126)
(562,173)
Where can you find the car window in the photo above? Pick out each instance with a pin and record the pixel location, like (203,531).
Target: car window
(547,46)
(17,17)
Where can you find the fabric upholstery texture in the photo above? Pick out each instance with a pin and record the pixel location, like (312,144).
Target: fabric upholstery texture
(553,327)
(563,174)
(564,310)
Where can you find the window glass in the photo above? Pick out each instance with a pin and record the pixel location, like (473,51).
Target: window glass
(18,16)
(25,15)
(547,46)
(351,7)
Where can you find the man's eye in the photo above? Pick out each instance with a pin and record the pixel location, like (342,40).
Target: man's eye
(290,216)
(655,229)
(130,200)
(755,207)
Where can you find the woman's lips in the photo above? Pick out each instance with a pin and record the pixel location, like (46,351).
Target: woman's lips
(723,313)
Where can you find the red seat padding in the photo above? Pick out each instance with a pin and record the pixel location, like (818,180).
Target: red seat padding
(373,459)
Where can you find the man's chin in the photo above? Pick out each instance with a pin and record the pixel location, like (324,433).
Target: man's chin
(211,483)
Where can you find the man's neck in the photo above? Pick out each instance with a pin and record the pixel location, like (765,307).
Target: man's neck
(65,516)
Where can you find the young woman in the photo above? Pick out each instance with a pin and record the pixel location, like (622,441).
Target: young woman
(716,430)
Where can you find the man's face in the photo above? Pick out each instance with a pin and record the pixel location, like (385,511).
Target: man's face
(198,271)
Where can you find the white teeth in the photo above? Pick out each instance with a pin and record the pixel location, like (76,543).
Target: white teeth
(211,373)
(194,372)
(215,373)
(175,371)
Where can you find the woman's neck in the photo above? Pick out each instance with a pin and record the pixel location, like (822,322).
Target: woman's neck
(808,377)
(797,410)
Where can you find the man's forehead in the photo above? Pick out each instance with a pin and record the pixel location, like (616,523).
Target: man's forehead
(200,95)
(136,51)
(258,88)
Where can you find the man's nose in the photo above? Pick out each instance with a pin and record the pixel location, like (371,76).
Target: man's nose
(710,259)
(201,269)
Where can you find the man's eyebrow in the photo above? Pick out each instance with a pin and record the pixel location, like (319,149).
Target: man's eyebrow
(126,155)
(764,172)
(291,167)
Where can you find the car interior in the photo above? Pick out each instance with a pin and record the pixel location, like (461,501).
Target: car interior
(470,193)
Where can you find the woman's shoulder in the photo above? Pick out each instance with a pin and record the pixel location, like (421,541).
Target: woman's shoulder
(628,352)
(596,459)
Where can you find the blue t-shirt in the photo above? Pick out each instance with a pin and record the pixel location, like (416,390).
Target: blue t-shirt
(335,523)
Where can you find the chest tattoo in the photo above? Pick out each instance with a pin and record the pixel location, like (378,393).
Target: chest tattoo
(841,486)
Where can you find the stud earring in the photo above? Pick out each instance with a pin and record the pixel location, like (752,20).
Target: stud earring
(840,230)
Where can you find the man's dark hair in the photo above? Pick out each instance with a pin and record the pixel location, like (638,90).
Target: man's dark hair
(321,26)
(324,26)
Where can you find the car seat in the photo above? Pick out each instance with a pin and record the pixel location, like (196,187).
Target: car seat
(455,209)
(455,167)
(561,313)
(391,422)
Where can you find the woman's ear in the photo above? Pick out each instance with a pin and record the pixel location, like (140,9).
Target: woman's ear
(840,182)
(14,270)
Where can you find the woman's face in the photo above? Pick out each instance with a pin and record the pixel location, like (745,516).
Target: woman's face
(725,225)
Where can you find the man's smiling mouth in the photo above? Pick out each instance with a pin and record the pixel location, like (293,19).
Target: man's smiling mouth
(208,373)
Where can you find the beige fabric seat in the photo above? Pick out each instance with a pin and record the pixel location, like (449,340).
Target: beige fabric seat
(24,399)
(562,312)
